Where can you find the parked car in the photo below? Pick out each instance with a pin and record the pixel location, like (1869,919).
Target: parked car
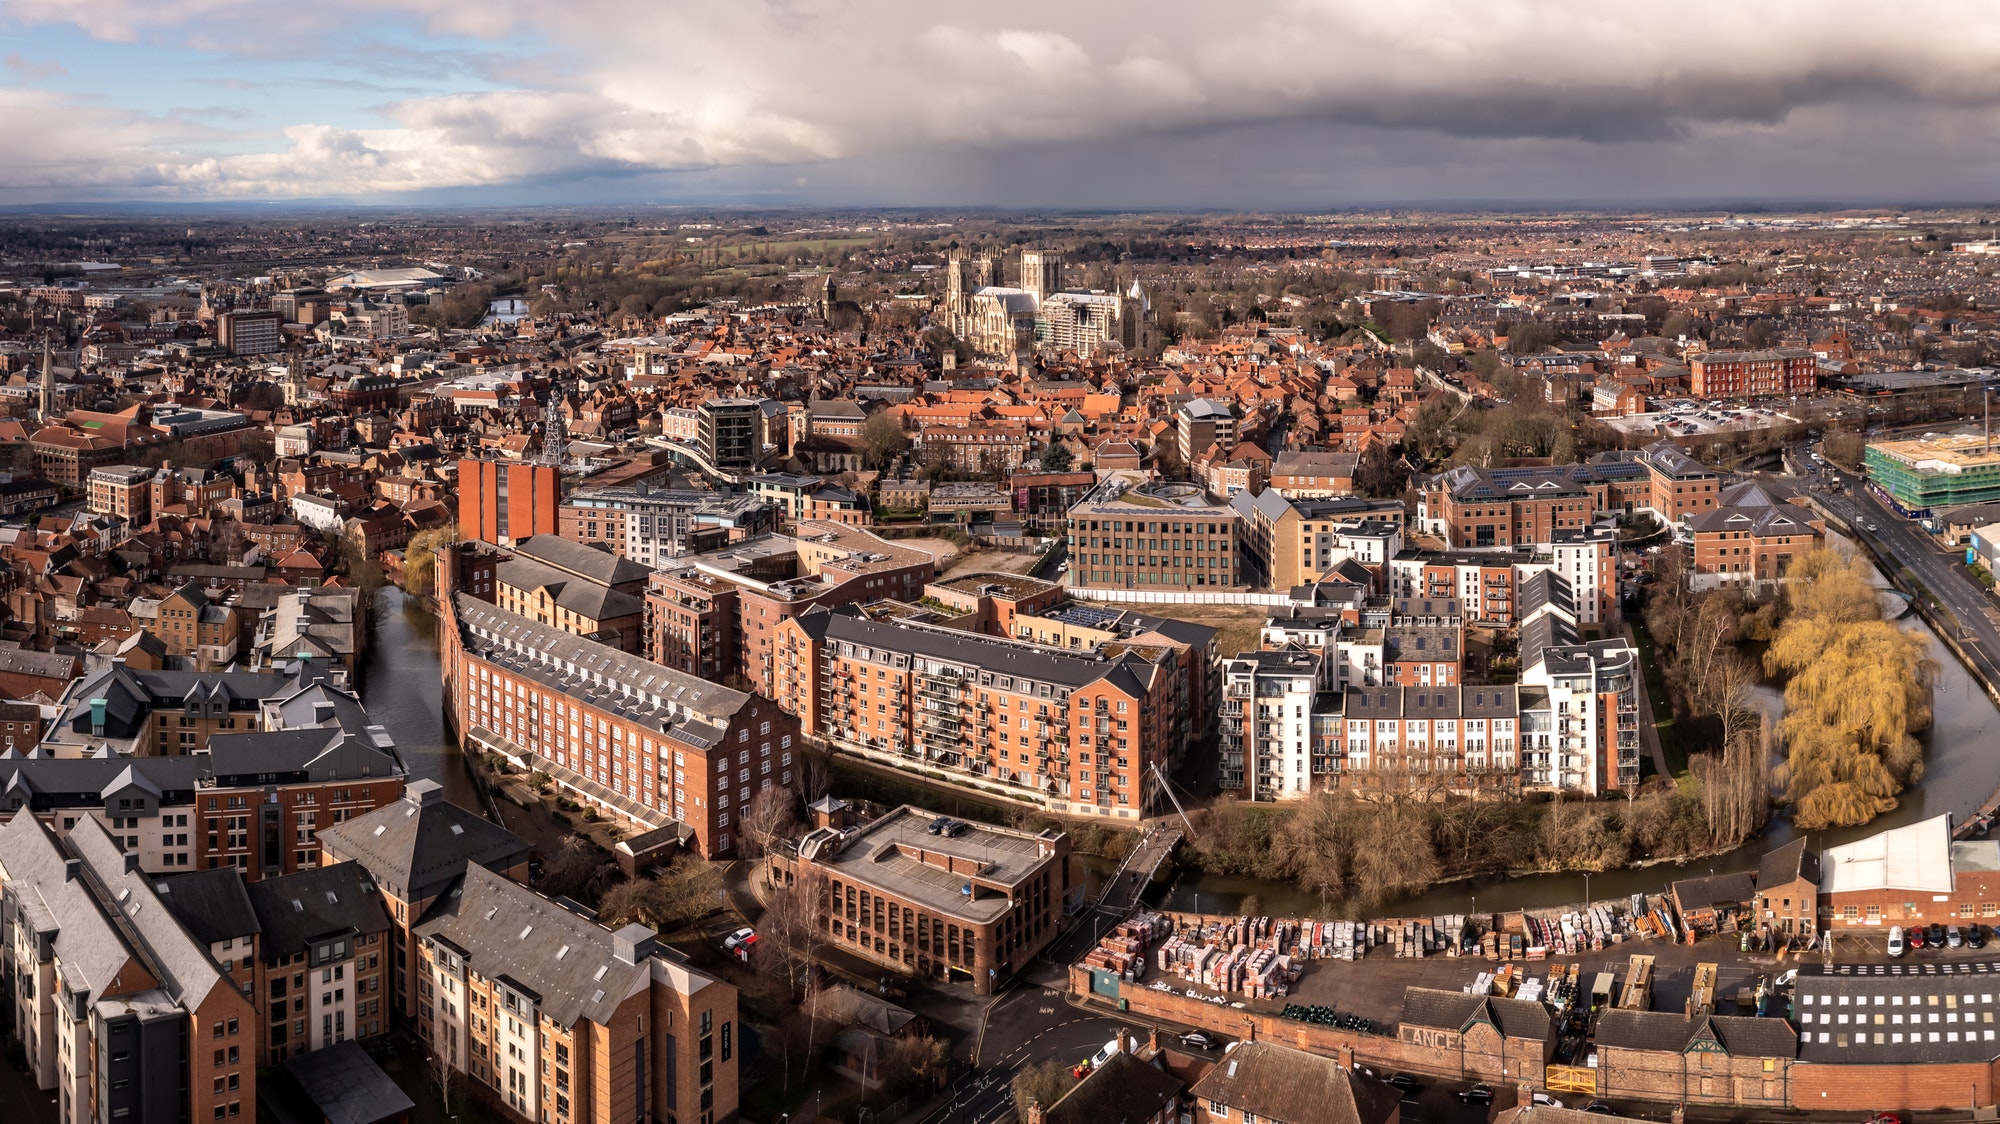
(1600,1109)
(1916,936)
(1884,1118)
(1953,938)
(1896,945)
(1544,1100)
(741,938)
(1403,1083)
(1478,1094)
(1935,937)
(1975,935)
(1198,1040)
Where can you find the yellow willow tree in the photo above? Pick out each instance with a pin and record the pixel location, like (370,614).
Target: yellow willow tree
(1860,690)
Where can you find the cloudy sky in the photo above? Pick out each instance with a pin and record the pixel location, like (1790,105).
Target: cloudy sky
(1085,103)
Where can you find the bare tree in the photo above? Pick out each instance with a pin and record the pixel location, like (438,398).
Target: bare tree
(815,773)
(773,815)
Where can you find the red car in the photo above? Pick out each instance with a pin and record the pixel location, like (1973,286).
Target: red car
(1884,1118)
(1915,936)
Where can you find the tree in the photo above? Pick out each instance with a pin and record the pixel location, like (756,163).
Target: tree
(577,868)
(773,815)
(915,1063)
(689,889)
(1043,1084)
(1057,457)
(420,557)
(1433,432)
(883,440)
(1380,474)
(1860,690)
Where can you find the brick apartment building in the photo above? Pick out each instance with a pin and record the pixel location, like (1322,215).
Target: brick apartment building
(1080,732)
(252,800)
(637,740)
(119,1012)
(568,1022)
(415,850)
(1163,538)
(719,613)
(579,589)
(311,948)
(1753,374)
(933,897)
(1520,507)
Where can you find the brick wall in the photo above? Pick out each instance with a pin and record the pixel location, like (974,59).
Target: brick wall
(1868,1088)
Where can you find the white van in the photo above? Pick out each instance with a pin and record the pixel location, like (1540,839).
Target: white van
(1896,945)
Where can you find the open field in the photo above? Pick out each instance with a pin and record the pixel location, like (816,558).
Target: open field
(1237,626)
(990,562)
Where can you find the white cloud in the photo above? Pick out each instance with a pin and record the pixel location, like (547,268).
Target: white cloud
(606,87)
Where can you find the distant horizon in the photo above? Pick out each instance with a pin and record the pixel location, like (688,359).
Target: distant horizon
(1776,207)
(1171,105)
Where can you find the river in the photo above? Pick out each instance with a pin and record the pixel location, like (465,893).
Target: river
(402,688)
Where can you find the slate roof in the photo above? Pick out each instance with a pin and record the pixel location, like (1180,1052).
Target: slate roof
(1875,1014)
(297,909)
(1674,1033)
(417,846)
(1790,863)
(86,942)
(848,624)
(1455,1010)
(182,964)
(527,648)
(1124,1090)
(346,1086)
(581,596)
(212,904)
(1295,1087)
(507,930)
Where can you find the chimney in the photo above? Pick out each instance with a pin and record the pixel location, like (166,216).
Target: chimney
(97,709)
(1036,1113)
(424,792)
(633,944)
(1250,1029)
(1153,1040)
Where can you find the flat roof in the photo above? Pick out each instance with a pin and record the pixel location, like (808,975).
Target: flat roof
(886,853)
(1946,452)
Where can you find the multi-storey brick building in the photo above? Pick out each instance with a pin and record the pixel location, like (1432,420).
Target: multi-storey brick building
(1476,507)
(587,591)
(120,1013)
(252,800)
(1753,374)
(722,610)
(124,490)
(146,713)
(567,1022)
(198,629)
(1080,732)
(415,850)
(637,740)
(1298,542)
(504,502)
(1160,538)
(934,897)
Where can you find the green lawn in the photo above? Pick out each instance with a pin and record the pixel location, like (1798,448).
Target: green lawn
(1663,707)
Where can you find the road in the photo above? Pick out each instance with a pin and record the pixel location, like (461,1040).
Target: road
(1946,581)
